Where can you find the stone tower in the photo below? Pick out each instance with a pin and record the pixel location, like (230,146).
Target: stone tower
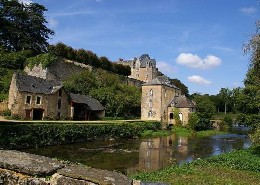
(156,97)
(143,68)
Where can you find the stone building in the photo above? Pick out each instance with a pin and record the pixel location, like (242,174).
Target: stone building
(143,68)
(160,97)
(36,98)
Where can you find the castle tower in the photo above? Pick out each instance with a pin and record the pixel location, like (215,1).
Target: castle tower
(143,68)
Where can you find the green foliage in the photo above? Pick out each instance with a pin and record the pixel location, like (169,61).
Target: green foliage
(89,58)
(255,137)
(14,60)
(228,120)
(176,116)
(45,59)
(239,167)
(19,135)
(205,110)
(182,131)
(23,26)
(179,84)
(193,121)
(5,80)
(119,99)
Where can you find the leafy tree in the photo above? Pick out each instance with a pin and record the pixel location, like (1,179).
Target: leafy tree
(118,98)
(225,95)
(14,60)
(252,81)
(23,26)
(205,109)
(179,84)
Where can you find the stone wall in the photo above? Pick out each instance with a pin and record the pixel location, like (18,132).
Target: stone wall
(60,70)
(23,168)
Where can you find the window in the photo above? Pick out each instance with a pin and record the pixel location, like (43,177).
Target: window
(59,104)
(151,92)
(28,99)
(58,115)
(150,103)
(150,114)
(38,100)
(171,115)
(60,92)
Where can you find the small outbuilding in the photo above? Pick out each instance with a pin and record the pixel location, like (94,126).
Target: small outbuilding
(35,98)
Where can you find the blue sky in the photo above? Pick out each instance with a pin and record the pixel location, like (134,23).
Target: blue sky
(197,41)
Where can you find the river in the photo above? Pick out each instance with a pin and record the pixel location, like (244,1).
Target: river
(150,154)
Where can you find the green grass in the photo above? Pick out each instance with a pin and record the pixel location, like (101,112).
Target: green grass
(221,116)
(186,132)
(183,132)
(239,167)
(208,133)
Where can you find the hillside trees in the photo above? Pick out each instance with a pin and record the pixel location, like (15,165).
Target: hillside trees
(89,58)
(119,99)
(23,26)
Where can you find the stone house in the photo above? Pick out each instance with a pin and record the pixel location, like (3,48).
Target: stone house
(36,98)
(160,97)
(143,68)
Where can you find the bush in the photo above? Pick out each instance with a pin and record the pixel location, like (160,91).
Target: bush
(18,135)
(228,120)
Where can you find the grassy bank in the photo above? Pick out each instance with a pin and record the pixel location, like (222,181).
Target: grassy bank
(30,135)
(186,132)
(238,167)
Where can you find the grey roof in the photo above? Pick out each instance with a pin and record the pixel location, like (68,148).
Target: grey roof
(145,60)
(161,80)
(27,83)
(182,102)
(92,103)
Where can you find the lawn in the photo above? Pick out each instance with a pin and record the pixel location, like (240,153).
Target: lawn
(238,167)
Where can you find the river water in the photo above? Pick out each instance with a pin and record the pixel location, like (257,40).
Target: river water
(150,154)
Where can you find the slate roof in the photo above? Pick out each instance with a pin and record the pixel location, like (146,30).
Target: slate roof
(161,80)
(182,102)
(92,103)
(145,60)
(27,83)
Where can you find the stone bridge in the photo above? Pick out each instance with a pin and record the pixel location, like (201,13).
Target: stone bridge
(23,168)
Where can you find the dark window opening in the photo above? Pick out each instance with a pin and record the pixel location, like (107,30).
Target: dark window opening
(28,99)
(171,115)
(38,100)
(59,104)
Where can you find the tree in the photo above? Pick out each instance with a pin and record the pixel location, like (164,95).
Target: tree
(205,109)
(23,26)
(252,80)
(179,84)
(225,95)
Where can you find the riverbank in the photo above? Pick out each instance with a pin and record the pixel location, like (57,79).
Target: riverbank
(237,167)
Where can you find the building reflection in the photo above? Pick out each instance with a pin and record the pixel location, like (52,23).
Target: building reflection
(157,153)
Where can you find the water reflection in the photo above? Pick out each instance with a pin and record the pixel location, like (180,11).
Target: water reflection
(147,154)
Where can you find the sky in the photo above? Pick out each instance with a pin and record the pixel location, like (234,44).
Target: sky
(199,42)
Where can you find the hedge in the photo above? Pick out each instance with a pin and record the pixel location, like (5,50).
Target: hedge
(18,135)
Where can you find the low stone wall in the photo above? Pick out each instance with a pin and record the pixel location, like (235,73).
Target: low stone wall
(23,168)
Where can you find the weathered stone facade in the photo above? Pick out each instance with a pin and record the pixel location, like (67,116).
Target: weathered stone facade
(33,105)
(158,101)
(60,70)
(35,98)
(143,68)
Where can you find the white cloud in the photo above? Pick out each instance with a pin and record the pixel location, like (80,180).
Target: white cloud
(25,1)
(248,10)
(198,80)
(194,61)
(165,68)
